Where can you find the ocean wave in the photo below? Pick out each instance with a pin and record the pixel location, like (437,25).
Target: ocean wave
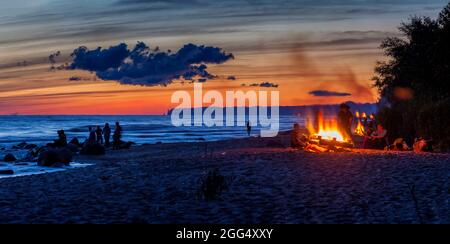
(140,129)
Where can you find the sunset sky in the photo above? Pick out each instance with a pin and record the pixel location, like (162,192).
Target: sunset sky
(317,52)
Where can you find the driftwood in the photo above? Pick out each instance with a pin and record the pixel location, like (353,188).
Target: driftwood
(319,146)
(421,145)
(332,143)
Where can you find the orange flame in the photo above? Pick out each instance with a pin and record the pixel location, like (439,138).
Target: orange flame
(359,130)
(327,129)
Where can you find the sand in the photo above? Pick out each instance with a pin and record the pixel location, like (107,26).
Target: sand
(270,185)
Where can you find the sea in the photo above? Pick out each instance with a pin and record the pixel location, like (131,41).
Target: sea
(150,129)
(40,130)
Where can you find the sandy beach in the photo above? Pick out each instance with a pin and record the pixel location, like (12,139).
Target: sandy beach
(266,183)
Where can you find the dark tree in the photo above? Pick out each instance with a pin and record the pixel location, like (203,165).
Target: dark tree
(414,83)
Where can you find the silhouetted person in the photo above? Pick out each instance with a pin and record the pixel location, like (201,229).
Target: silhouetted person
(117,136)
(62,139)
(249,128)
(92,139)
(99,134)
(345,120)
(107,134)
(371,125)
(376,140)
(297,140)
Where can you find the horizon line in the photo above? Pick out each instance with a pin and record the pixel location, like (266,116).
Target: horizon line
(159,114)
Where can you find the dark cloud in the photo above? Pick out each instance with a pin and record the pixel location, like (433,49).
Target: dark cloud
(52,57)
(149,67)
(99,60)
(75,78)
(22,63)
(325,93)
(231,77)
(78,78)
(264,84)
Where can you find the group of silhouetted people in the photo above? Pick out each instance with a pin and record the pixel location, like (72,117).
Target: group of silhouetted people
(103,136)
(375,135)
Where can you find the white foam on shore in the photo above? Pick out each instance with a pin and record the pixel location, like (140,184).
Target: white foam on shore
(31,168)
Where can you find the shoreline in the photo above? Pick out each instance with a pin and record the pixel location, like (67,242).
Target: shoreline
(267,183)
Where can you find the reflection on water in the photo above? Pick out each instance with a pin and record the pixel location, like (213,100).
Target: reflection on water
(31,168)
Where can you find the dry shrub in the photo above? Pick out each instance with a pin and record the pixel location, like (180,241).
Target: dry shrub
(212,185)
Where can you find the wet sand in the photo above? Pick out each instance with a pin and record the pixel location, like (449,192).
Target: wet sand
(267,183)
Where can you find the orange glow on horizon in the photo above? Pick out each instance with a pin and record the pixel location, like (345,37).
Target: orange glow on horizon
(35,90)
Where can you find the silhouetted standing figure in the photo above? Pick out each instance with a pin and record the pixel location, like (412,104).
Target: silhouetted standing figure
(371,125)
(117,136)
(249,128)
(92,136)
(107,134)
(345,120)
(99,134)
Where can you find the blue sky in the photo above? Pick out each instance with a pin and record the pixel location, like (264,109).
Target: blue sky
(41,25)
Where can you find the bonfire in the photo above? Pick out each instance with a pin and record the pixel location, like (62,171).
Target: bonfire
(325,134)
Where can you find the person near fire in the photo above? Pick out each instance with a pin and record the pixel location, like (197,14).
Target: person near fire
(345,120)
(298,140)
(370,127)
(376,140)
